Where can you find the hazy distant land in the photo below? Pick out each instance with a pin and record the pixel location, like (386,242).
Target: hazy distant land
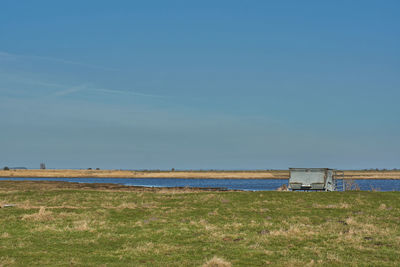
(257,174)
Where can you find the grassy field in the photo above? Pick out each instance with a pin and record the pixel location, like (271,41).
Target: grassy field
(56,223)
(256,174)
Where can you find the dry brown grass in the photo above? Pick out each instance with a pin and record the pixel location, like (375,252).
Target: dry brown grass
(127,206)
(298,231)
(382,207)
(82,226)
(146,174)
(355,174)
(5,235)
(217,262)
(332,206)
(271,174)
(6,261)
(41,215)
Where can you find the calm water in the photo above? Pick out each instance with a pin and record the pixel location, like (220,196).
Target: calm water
(237,184)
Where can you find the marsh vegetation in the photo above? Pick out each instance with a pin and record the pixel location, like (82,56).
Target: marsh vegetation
(86,224)
(204,174)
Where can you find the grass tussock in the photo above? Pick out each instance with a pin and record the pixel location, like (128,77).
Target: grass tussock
(82,226)
(332,206)
(6,261)
(5,235)
(217,262)
(41,215)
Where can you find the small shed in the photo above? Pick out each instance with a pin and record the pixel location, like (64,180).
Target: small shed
(319,179)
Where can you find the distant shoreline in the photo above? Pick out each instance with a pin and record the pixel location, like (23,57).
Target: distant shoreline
(257,174)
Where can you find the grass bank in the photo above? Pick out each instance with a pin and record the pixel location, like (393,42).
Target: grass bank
(278,174)
(256,174)
(84,224)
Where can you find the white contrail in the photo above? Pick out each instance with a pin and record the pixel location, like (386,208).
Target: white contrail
(68,89)
(71,90)
(111,91)
(87,87)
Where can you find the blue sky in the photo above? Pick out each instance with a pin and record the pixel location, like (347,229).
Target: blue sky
(200,84)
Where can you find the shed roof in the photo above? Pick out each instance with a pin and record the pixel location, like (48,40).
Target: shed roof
(309,169)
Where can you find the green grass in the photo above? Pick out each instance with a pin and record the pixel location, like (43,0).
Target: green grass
(172,228)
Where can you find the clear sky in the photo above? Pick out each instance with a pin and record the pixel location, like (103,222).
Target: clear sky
(200,84)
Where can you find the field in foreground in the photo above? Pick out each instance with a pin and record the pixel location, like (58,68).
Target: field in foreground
(55,223)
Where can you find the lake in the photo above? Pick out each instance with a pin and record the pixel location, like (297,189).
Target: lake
(235,184)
